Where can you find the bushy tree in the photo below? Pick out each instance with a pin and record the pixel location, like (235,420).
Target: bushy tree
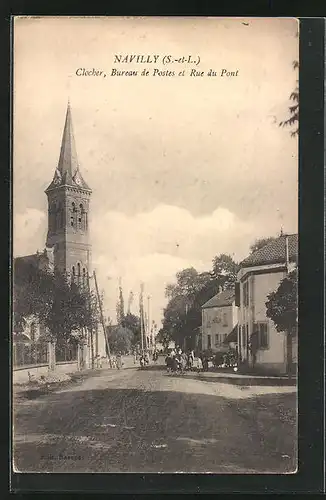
(132,322)
(183,314)
(120,339)
(282,304)
(63,308)
(225,271)
(164,337)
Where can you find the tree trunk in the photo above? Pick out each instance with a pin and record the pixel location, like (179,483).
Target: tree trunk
(92,347)
(289,361)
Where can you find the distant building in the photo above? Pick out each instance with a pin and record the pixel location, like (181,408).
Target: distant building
(219,321)
(259,275)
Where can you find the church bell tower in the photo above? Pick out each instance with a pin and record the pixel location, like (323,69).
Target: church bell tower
(68,210)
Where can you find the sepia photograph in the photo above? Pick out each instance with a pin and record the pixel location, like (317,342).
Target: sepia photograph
(155,245)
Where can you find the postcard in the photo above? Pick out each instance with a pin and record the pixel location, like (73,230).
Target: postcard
(155,245)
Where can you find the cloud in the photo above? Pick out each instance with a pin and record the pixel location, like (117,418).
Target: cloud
(152,246)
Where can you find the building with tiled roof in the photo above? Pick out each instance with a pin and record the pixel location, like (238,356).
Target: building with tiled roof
(274,252)
(259,275)
(219,318)
(225,298)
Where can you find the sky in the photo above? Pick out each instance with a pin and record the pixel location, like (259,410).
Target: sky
(181,168)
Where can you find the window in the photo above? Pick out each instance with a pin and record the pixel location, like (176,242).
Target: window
(262,332)
(245,289)
(225,319)
(78,268)
(209,342)
(72,221)
(217,339)
(237,294)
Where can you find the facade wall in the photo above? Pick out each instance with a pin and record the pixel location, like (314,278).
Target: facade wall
(71,242)
(217,322)
(254,290)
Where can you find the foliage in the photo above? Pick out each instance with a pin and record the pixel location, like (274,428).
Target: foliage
(63,308)
(294,108)
(225,271)
(260,243)
(282,304)
(183,315)
(189,282)
(132,323)
(120,308)
(120,339)
(164,337)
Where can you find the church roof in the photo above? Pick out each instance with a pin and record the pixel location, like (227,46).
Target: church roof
(68,172)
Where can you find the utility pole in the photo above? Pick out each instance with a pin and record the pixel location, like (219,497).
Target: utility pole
(141,314)
(148,321)
(102,320)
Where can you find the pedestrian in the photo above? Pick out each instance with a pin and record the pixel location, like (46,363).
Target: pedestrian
(198,364)
(191,360)
(142,361)
(168,362)
(119,361)
(184,361)
(135,357)
(147,358)
(205,363)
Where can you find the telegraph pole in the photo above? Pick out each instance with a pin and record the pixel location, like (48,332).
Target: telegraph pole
(148,321)
(102,320)
(141,314)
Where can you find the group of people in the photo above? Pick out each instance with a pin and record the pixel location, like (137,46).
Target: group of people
(179,361)
(116,361)
(144,358)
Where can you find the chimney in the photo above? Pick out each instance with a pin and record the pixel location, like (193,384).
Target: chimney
(287,253)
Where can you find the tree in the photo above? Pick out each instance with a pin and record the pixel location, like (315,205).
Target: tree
(120,308)
(188,283)
(63,308)
(164,337)
(225,271)
(282,309)
(183,313)
(260,243)
(132,322)
(294,108)
(120,338)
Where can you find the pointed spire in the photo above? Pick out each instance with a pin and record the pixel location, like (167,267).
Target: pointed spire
(68,172)
(68,162)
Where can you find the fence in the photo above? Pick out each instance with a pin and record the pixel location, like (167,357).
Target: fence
(66,353)
(26,354)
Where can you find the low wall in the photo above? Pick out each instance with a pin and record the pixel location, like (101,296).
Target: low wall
(20,375)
